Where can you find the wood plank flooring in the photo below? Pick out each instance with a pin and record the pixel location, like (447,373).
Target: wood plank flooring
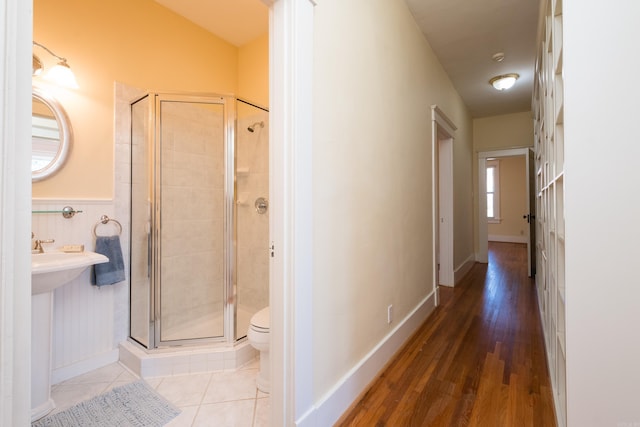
(478,360)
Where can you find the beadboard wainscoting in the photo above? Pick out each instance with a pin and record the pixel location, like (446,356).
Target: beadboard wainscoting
(88,322)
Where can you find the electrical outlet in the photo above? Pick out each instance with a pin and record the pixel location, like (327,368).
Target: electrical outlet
(390,314)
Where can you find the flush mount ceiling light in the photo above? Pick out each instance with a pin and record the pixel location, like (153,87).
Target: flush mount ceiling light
(60,74)
(504,81)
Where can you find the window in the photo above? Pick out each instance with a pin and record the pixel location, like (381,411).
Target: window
(493,191)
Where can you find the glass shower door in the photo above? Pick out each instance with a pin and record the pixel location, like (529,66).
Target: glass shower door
(141,322)
(182,204)
(191,216)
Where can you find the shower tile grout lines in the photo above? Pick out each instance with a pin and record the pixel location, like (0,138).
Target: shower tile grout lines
(226,398)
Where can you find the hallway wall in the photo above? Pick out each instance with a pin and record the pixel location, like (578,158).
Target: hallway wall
(602,207)
(498,133)
(502,132)
(375,79)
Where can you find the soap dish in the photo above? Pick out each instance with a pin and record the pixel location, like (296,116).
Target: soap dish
(72,248)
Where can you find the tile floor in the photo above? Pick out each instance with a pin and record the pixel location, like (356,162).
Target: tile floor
(227,398)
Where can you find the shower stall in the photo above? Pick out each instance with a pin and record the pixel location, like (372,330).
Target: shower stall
(199,218)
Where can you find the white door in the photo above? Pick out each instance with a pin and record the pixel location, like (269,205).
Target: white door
(445,211)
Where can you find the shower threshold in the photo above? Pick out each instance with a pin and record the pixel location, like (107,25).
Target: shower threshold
(185,360)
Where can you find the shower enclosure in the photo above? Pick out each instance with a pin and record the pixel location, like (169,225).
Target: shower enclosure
(199,218)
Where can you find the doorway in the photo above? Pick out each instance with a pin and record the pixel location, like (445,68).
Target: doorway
(443,131)
(528,215)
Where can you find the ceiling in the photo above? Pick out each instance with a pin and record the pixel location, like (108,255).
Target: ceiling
(236,21)
(464,34)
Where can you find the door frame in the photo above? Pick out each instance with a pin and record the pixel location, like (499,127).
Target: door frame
(291,206)
(483,237)
(290,76)
(442,137)
(16,34)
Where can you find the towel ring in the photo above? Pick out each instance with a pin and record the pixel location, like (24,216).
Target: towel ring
(105,220)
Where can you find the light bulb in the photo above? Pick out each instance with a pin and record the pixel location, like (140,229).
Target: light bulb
(62,75)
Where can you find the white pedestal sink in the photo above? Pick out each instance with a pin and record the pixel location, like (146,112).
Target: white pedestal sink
(49,271)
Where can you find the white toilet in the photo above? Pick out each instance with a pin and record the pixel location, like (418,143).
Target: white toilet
(259,338)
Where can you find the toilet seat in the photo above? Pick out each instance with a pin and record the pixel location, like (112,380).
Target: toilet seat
(260,322)
(260,338)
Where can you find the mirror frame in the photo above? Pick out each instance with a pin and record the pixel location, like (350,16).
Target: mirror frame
(66,135)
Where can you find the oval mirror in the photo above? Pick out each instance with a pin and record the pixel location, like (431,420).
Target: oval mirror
(51,135)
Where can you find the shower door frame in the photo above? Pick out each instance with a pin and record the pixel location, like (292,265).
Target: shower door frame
(229,258)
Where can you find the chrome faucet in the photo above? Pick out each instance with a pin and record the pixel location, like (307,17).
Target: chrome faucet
(37,248)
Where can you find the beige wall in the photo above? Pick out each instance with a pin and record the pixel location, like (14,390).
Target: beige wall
(375,78)
(253,71)
(143,45)
(498,133)
(501,132)
(513,199)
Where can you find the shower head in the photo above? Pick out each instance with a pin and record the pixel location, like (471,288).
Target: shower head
(252,128)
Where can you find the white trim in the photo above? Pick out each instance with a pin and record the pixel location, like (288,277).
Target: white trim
(46,200)
(464,268)
(443,120)
(483,248)
(16,29)
(333,404)
(507,239)
(509,152)
(291,219)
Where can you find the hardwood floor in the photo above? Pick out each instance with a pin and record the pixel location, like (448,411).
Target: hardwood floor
(477,361)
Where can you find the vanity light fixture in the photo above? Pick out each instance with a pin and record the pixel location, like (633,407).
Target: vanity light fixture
(60,74)
(37,66)
(504,81)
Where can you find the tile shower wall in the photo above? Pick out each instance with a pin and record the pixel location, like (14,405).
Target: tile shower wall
(88,322)
(252,182)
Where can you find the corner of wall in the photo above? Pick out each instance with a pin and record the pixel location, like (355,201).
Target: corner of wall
(464,268)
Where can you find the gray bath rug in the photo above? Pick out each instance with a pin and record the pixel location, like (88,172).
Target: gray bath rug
(130,405)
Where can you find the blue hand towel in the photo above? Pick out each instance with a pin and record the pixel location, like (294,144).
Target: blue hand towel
(110,272)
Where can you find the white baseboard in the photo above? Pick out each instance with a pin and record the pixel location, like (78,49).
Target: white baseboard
(82,367)
(507,239)
(463,268)
(331,406)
